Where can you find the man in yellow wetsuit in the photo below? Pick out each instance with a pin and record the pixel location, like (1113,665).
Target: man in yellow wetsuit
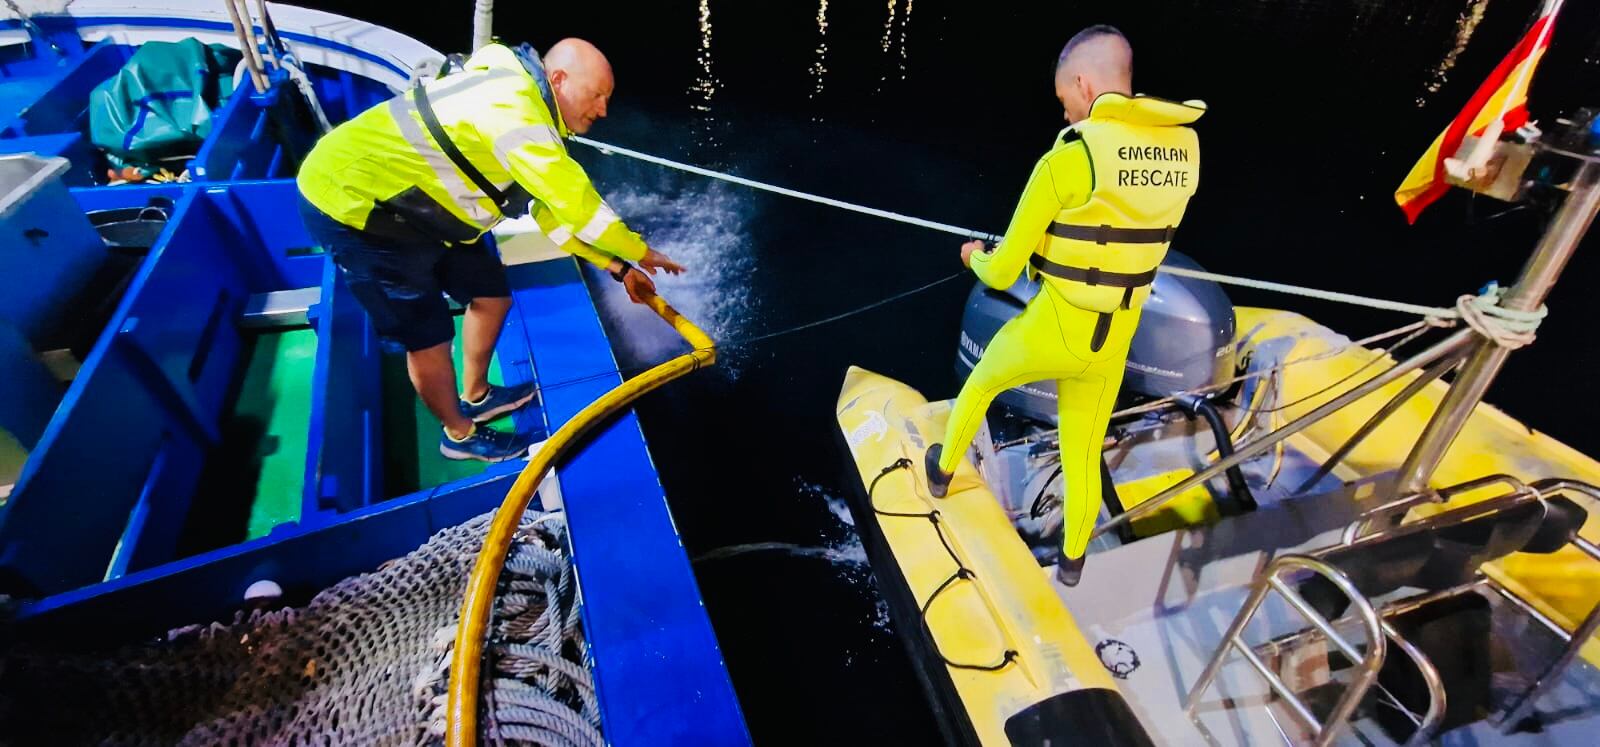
(402,194)
(1094,222)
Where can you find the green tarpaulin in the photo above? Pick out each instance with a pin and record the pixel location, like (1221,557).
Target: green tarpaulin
(159,106)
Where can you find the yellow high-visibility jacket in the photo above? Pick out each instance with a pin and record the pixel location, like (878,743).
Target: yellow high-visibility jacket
(383,171)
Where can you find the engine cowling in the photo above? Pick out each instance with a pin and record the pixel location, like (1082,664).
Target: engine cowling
(1184,340)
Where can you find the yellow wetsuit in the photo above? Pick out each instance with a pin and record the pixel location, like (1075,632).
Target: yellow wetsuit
(1094,221)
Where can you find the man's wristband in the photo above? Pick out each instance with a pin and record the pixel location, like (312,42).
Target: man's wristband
(622,272)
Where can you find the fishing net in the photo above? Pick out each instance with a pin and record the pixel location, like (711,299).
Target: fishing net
(365,662)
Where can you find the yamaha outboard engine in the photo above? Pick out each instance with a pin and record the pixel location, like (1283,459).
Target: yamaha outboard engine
(1185,339)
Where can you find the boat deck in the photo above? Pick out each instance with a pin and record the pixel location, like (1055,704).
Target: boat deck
(1160,608)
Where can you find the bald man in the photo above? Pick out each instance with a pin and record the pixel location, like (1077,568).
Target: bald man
(1093,224)
(401,196)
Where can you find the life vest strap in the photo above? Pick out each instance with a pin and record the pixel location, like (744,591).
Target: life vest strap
(1111,235)
(1093,275)
(512,203)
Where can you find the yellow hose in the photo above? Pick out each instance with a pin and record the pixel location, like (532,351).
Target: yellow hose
(467,659)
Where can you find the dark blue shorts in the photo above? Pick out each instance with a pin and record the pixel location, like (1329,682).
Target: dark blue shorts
(400,280)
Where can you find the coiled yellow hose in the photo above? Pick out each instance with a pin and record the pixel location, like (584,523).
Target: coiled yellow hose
(466,661)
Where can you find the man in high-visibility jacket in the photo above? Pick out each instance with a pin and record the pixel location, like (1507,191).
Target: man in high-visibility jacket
(402,195)
(1094,223)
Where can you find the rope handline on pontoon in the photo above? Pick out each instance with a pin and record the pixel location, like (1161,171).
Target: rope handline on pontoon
(1497,323)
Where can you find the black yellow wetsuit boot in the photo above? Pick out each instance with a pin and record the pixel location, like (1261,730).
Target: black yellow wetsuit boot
(1069,570)
(938,479)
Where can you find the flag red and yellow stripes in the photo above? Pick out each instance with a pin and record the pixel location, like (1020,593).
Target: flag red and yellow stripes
(1502,98)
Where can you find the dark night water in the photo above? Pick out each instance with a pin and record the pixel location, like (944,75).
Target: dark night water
(938,108)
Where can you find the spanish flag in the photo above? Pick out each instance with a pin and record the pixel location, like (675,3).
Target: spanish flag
(1499,105)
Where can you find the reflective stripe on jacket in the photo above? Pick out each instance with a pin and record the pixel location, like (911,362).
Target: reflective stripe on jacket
(383,171)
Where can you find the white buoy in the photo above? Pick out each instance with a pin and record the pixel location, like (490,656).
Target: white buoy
(264,589)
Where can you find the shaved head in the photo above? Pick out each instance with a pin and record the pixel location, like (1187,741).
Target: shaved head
(1097,60)
(581,79)
(576,55)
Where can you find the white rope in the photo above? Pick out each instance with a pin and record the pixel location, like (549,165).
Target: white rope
(1432,312)
(1482,312)
(1508,328)
(1409,329)
(751,183)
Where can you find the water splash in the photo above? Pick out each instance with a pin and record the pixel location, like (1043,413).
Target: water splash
(705,229)
(789,548)
(880,618)
(840,511)
(813,492)
(851,558)
(839,545)
(843,541)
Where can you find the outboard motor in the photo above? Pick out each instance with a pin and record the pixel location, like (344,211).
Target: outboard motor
(1184,341)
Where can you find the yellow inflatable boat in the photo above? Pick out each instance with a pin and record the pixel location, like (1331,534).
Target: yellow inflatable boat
(1208,622)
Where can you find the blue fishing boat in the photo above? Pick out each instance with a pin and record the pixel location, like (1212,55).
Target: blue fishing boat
(202,426)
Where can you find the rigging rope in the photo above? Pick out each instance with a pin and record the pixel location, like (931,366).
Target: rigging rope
(1411,332)
(844,315)
(742,341)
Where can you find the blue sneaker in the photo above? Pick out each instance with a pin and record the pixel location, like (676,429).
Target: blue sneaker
(485,445)
(498,401)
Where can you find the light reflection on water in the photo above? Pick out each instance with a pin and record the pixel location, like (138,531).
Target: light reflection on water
(706,83)
(904,25)
(819,68)
(888,26)
(1468,23)
(704,227)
